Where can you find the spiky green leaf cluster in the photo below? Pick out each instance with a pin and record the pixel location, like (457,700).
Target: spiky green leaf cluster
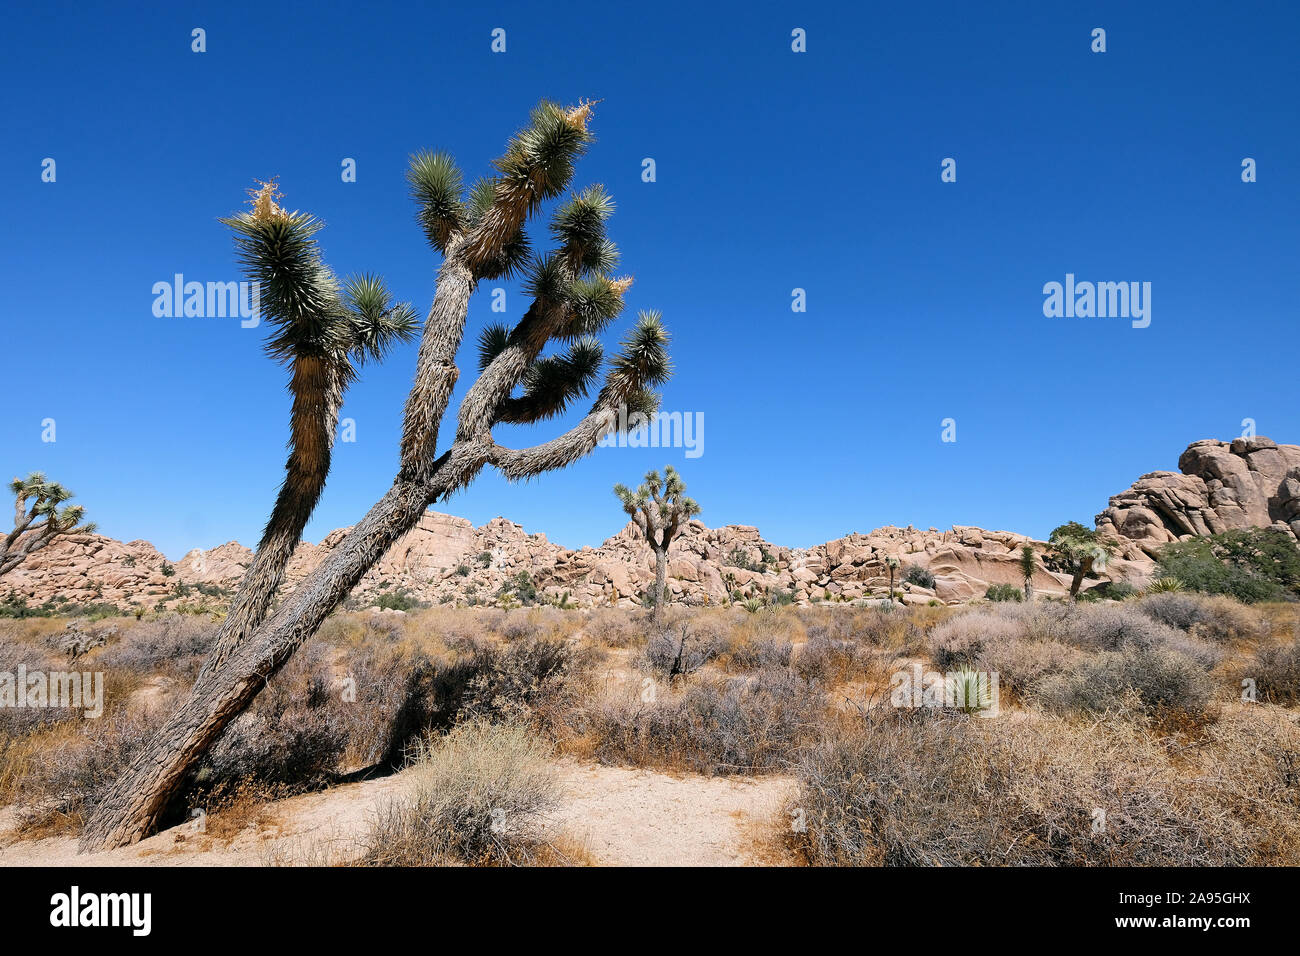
(377,323)
(492,341)
(554,382)
(298,293)
(437,187)
(579,227)
(663,500)
(49,495)
(540,157)
(642,363)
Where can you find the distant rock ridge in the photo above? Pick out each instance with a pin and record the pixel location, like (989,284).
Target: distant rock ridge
(447,560)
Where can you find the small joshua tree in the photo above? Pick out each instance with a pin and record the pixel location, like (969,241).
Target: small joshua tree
(1028,565)
(891,563)
(659,508)
(39,523)
(1079,551)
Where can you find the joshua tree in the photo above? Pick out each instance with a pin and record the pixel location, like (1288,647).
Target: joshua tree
(480,236)
(659,508)
(39,523)
(1028,565)
(1080,551)
(322,332)
(892,564)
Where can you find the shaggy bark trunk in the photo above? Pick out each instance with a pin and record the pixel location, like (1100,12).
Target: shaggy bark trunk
(1029,590)
(661,574)
(141,796)
(318,395)
(1077,580)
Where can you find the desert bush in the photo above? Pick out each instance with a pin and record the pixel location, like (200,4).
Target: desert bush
(759,653)
(534,679)
(1004,592)
(1148,680)
(959,642)
(613,627)
(73,772)
(173,644)
(1256,564)
(291,740)
(1174,608)
(1276,672)
(736,725)
(1221,620)
(922,787)
(680,650)
(477,796)
(915,574)
(1023,665)
(831,660)
(1120,627)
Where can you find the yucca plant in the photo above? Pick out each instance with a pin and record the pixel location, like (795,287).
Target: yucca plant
(40,522)
(479,234)
(1028,565)
(1165,585)
(659,508)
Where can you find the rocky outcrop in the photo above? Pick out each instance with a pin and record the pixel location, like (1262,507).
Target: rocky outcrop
(446,560)
(1249,482)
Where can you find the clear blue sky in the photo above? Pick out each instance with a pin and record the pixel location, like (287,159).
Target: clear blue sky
(776,170)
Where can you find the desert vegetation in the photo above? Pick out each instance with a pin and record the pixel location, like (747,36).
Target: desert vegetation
(1156,730)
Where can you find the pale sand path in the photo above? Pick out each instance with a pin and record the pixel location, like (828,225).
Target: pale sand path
(624,817)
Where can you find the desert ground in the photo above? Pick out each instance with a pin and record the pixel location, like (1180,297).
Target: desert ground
(1161,728)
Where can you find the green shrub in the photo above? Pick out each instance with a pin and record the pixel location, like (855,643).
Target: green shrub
(921,577)
(1258,564)
(1004,592)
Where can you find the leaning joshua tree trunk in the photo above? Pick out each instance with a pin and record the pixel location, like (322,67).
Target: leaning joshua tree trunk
(480,236)
(658,509)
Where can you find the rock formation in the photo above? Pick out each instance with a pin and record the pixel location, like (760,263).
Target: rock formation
(446,560)
(1250,482)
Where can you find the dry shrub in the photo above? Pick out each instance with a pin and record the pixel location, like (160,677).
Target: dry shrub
(925,787)
(1022,666)
(1150,680)
(73,770)
(172,644)
(476,796)
(829,659)
(291,740)
(680,649)
(613,627)
(1276,672)
(1214,618)
(736,725)
(534,679)
(757,653)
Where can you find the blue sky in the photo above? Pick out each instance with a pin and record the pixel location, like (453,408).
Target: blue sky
(775,170)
